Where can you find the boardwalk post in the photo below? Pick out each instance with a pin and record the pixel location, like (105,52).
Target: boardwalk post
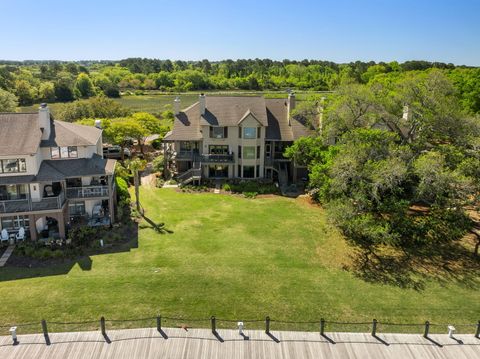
(427,329)
(214,324)
(159,323)
(102,326)
(322,326)
(477,333)
(45,331)
(267,325)
(374,327)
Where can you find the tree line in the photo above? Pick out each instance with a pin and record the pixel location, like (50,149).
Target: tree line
(30,82)
(395,162)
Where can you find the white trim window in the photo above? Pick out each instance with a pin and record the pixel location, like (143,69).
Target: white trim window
(249,133)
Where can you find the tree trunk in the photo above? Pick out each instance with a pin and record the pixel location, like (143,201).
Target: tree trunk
(137,190)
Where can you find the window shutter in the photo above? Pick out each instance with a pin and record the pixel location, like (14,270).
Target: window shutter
(259,131)
(239,132)
(239,151)
(211,132)
(225,132)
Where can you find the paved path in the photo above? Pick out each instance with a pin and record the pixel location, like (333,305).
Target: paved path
(6,255)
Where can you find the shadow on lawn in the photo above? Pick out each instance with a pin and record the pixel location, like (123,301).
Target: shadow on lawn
(159,228)
(21,267)
(411,269)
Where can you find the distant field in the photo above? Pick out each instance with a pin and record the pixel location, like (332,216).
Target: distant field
(156,103)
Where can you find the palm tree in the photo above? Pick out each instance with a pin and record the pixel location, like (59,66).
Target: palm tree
(135,165)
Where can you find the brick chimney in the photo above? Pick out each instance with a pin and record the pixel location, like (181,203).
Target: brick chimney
(290,105)
(44,121)
(176,105)
(201,101)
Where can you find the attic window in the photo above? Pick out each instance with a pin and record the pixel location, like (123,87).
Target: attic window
(249,132)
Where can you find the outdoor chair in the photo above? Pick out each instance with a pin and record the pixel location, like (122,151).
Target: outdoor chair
(49,191)
(21,234)
(4,236)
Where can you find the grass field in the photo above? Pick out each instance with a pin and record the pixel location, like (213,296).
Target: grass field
(234,258)
(155,102)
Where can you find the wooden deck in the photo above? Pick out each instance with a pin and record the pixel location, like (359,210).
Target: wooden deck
(201,343)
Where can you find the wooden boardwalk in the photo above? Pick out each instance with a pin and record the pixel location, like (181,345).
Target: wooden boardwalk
(229,344)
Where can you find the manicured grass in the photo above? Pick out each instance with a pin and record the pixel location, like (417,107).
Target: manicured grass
(234,258)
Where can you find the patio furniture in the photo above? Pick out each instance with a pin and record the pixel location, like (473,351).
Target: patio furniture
(4,236)
(20,236)
(49,191)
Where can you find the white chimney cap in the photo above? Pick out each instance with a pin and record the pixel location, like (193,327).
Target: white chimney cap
(98,124)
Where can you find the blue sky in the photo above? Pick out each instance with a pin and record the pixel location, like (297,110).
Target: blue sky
(336,30)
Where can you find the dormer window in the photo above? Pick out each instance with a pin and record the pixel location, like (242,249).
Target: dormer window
(218,132)
(249,132)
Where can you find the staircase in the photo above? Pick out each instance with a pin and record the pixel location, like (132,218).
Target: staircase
(191,175)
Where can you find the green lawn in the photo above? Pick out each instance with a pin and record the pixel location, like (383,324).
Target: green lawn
(234,258)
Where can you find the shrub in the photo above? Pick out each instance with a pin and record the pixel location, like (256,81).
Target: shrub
(122,189)
(226,187)
(157,164)
(82,236)
(160,182)
(250,194)
(157,143)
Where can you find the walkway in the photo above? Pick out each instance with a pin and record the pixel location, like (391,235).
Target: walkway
(201,343)
(6,255)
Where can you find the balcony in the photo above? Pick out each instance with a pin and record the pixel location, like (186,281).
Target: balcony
(87,192)
(214,158)
(26,205)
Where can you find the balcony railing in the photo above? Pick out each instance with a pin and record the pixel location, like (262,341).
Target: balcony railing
(186,155)
(227,158)
(26,205)
(87,192)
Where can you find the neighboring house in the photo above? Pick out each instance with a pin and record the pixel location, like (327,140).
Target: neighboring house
(52,173)
(234,137)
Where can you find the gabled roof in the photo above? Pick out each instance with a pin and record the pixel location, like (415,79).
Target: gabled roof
(19,133)
(58,170)
(231,111)
(248,113)
(71,134)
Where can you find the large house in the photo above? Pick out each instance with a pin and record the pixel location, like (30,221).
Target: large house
(222,137)
(52,175)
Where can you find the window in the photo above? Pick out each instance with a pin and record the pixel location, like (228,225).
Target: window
(249,132)
(14,223)
(64,152)
(249,152)
(218,149)
(13,191)
(76,208)
(248,171)
(185,146)
(14,165)
(258,152)
(72,152)
(55,153)
(218,132)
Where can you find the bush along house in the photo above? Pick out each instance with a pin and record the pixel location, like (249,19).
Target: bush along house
(225,137)
(52,175)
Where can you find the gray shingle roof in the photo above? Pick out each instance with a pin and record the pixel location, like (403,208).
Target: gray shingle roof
(71,134)
(58,170)
(230,111)
(19,133)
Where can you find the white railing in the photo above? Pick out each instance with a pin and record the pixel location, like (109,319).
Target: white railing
(87,192)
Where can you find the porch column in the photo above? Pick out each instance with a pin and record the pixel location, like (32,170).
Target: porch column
(61,225)
(33,227)
(111,202)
